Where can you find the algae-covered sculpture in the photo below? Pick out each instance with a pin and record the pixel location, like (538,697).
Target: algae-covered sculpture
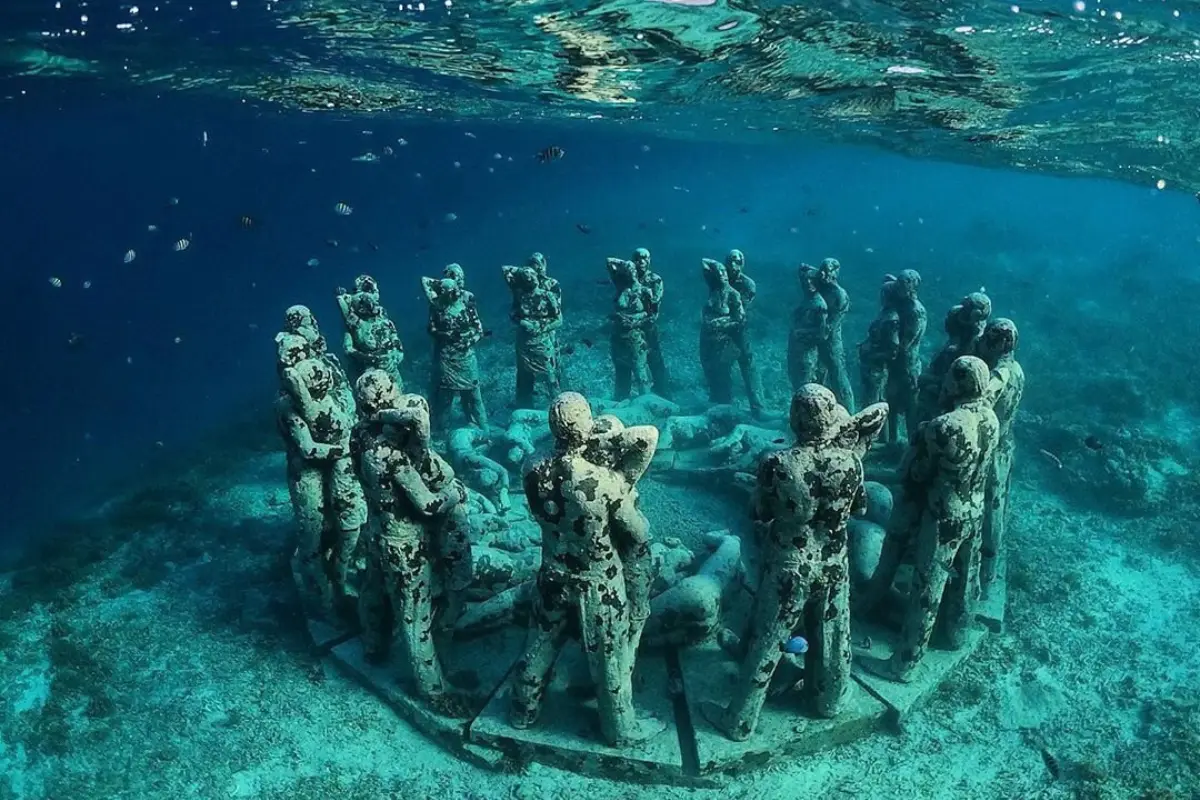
(721,326)
(455,327)
(537,312)
(964,325)
(810,329)
(630,350)
(735,269)
(652,291)
(316,415)
(467,448)
(997,347)
(371,340)
(877,357)
(804,499)
(938,520)
(300,320)
(588,515)
(900,296)
(419,557)
(833,349)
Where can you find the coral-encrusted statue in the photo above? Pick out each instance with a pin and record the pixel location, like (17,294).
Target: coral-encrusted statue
(735,269)
(630,351)
(964,325)
(833,348)
(537,312)
(722,322)
(371,340)
(652,290)
(455,327)
(804,500)
(900,295)
(810,329)
(877,357)
(996,347)
(939,519)
(583,497)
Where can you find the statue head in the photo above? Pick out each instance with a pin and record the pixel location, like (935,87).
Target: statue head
(570,421)
(809,276)
(965,381)
(376,390)
(366,306)
(538,262)
(975,307)
(291,349)
(814,414)
(641,259)
(455,273)
(735,262)
(999,340)
(316,377)
(908,281)
(448,290)
(416,410)
(829,270)
(623,272)
(714,273)
(297,317)
(367,284)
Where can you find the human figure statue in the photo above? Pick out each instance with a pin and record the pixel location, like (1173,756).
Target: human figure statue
(803,501)
(316,414)
(810,329)
(723,319)
(455,327)
(833,349)
(652,289)
(997,347)
(537,312)
(467,448)
(630,350)
(877,357)
(300,320)
(419,557)
(735,270)
(371,339)
(939,520)
(587,512)
(900,296)
(964,325)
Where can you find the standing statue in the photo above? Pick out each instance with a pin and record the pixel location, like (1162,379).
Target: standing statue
(833,349)
(735,266)
(723,319)
(300,321)
(900,295)
(804,499)
(455,327)
(997,347)
(371,340)
(652,289)
(419,558)
(316,415)
(587,511)
(939,519)
(537,311)
(810,329)
(877,357)
(630,351)
(964,325)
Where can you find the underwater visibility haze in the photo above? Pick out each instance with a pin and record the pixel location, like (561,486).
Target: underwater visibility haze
(294,508)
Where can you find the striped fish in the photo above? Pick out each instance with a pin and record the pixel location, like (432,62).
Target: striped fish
(183,244)
(343,210)
(130,255)
(552,153)
(56,282)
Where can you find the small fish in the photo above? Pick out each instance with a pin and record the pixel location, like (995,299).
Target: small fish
(568,350)
(797,645)
(552,153)
(130,255)
(743,210)
(87,284)
(183,244)
(470,135)
(451,217)
(402,142)
(1051,763)
(56,282)
(779,441)
(75,341)
(248,222)
(487,334)
(457,164)
(586,343)
(683,189)
(172,201)
(1093,443)
(204,138)
(366,158)
(497,156)
(331,242)
(152,228)
(582,228)
(1053,458)
(313,262)
(343,210)
(387,150)
(373,246)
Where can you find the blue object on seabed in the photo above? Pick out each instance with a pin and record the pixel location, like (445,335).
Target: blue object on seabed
(797,645)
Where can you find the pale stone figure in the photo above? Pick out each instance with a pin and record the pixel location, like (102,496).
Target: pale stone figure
(803,501)
(810,329)
(537,312)
(721,325)
(652,290)
(371,340)
(468,448)
(964,325)
(833,349)
(900,296)
(997,347)
(877,356)
(735,269)
(419,557)
(630,350)
(939,520)
(455,327)
(588,514)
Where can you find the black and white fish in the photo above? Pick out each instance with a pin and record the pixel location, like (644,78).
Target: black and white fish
(552,153)
(343,210)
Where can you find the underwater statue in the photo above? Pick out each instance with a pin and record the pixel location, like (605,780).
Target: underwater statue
(810,329)
(630,351)
(723,319)
(877,358)
(652,290)
(537,312)
(455,327)
(467,448)
(418,556)
(316,415)
(832,350)
(964,325)
(804,498)
(301,321)
(900,296)
(371,340)
(938,520)
(735,270)
(997,347)
(589,518)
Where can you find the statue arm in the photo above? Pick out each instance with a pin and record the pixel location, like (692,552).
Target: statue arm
(638,444)
(430,504)
(430,287)
(750,290)
(301,436)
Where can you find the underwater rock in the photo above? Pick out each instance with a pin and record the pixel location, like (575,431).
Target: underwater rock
(879,503)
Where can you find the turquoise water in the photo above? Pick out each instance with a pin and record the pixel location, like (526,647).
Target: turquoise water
(151,640)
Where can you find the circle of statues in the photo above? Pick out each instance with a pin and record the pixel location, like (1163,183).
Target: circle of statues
(916,481)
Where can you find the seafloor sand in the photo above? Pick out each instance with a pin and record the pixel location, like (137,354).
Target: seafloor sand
(161,655)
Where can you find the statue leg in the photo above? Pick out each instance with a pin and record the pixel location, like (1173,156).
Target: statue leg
(392,362)
(827,662)
(548,623)
(604,634)
(525,382)
(306,484)
(958,597)
(716,373)
(995,520)
(778,608)
(350,505)
(749,372)
(473,407)
(553,376)
(410,577)
(660,378)
(454,565)
(838,374)
(931,572)
(803,365)
(374,605)
(440,402)
(622,358)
